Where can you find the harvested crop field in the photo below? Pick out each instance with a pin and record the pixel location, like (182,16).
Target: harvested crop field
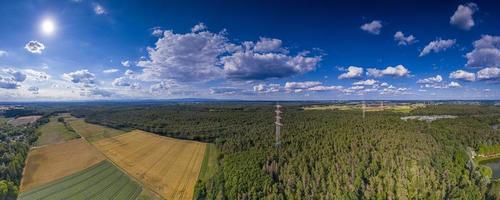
(52,162)
(100,181)
(92,132)
(24,120)
(167,166)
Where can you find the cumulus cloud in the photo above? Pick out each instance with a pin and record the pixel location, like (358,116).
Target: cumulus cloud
(398,71)
(34,47)
(489,74)
(462,18)
(8,83)
(15,75)
(185,57)
(110,71)
(35,75)
(431,80)
(164,86)
(3,53)
(486,52)
(268,45)
(437,46)
(322,88)
(199,27)
(404,40)
(352,72)
(263,88)
(250,65)
(126,63)
(201,55)
(80,76)
(99,9)
(157,32)
(366,82)
(92,92)
(225,90)
(33,89)
(462,75)
(454,84)
(373,27)
(313,86)
(121,81)
(437,83)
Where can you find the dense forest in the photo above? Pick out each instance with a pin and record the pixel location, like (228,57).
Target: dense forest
(326,154)
(15,142)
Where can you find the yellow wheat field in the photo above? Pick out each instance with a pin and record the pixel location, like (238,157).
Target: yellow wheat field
(167,166)
(55,161)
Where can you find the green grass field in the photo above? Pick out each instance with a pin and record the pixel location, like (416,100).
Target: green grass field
(54,132)
(101,181)
(209,165)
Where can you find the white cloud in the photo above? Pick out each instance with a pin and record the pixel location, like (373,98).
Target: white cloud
(164,86)
(322,88)
(99,9)
(402,40)
(185,57)
(263,88)
(35,75)
(126,63)
(92,92)
(372,27)
(8,83)
(199,27)
(462,75)
(33,89)
(80,76)
(462,17)
(454,84)
(486,52)
(398,71)
(225,90)
(269,45)
(313,86)
(34,47)
(121,81)
(368,82)
(15,75)
(431,80)
(249,65)
(352,72)
(202,55)
(129,72)
(110,71)
(437,46)
(3,53)
(489,74)
(157,32)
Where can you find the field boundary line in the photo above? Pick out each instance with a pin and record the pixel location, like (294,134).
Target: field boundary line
(124,171)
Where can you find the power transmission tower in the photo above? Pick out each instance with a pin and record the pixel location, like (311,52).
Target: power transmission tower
(364,107)
(278,125)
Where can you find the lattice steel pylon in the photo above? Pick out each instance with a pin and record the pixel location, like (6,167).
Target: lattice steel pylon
(278,125)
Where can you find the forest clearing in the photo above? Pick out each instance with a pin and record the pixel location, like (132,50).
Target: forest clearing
(167,166)
(52,162)
(54,132)
(24,120)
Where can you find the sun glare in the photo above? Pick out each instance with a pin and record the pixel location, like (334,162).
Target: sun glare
(48,26)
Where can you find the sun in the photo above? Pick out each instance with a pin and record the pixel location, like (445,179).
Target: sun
(48,26)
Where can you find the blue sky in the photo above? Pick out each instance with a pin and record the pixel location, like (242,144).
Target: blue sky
(255,50)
